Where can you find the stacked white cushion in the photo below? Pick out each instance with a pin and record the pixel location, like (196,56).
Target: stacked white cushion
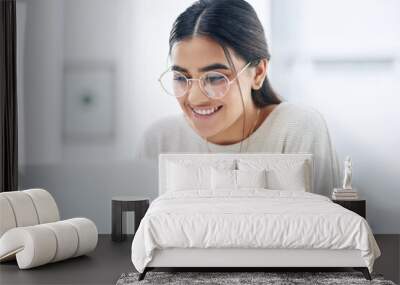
(27,208)
(31,245)
(23,208)
(235,179)
(51,242)
(7,220)
(65,235)
(187,174)
(87,234)
(251,178)
(287,179)
(223,179)
(182,177)
(281,174)
(275,173)
(30,230)
(45,205)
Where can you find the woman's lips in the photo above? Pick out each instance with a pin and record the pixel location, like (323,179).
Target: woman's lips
(205,112)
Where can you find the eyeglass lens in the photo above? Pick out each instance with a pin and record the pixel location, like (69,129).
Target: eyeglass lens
(213,84)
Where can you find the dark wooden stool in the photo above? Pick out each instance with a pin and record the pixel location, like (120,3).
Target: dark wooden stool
(122,204)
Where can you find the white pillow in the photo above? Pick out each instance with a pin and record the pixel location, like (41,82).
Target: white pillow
(223,179)
(251,178)
(237,179)
(183,177)
(287,178)
(282,174)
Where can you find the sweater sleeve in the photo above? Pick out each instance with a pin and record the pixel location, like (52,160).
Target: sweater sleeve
(162,136)
(148,144)
(311,135)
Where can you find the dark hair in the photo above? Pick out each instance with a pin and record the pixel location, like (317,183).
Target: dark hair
(234,24)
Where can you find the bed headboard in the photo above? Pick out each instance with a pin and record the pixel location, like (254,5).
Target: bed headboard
(214,158)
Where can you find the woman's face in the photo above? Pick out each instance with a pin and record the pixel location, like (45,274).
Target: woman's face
(195,54)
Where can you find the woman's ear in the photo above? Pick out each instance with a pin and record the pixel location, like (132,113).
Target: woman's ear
(259,76)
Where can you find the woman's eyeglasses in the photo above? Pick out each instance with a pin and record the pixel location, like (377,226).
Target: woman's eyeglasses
(213,84)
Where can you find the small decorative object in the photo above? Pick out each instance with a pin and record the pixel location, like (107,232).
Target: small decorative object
(347,173)
(346,192)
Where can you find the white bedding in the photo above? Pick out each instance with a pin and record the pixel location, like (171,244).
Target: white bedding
(250,218)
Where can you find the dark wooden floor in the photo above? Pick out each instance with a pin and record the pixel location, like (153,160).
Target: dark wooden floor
(111,259)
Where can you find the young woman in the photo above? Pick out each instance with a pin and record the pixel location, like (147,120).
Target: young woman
(218,75)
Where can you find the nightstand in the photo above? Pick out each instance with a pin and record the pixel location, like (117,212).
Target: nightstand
(358,206)
(122,204)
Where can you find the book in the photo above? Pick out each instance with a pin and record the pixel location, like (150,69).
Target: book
(345,198)
(346,194)
(350,196)
(341,190)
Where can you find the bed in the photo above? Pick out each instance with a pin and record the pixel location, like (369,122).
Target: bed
(242,211)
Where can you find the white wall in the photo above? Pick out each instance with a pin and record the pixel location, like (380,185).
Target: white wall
(134,36)
(345,62)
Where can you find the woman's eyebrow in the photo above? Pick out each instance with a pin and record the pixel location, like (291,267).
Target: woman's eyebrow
(203,69)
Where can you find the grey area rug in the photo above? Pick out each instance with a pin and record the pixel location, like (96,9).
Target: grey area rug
(225,278)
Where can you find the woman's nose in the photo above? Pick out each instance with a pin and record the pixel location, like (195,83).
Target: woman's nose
(195,94)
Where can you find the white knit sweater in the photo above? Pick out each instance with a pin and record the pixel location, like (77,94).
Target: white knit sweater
(289,128)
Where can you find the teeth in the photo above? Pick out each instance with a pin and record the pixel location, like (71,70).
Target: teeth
(205,112)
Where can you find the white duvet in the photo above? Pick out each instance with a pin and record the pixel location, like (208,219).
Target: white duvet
(250,218)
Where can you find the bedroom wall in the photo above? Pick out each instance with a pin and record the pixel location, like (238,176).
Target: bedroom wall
(346,64)
(133,36)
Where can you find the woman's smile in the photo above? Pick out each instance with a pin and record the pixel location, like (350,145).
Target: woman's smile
(205,113)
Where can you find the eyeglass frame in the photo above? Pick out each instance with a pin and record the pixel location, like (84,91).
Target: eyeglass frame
(188,84)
